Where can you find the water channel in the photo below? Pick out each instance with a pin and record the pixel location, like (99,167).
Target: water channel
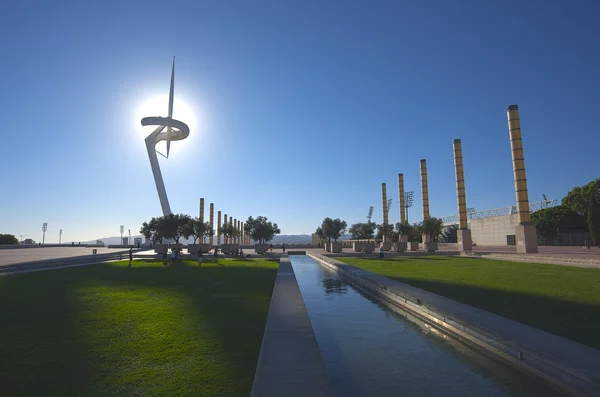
(374,349)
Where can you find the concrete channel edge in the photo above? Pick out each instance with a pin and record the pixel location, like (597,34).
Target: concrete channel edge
(551,371)
(290,362)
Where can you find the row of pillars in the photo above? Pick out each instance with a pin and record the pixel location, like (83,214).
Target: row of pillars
(242,237)
(525,233)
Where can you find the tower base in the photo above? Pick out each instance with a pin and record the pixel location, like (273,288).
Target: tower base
(464,240)
(526,237)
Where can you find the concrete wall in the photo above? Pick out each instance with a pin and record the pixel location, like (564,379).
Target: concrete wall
(493,231)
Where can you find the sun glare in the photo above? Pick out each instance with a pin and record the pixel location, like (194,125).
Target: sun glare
(158,106)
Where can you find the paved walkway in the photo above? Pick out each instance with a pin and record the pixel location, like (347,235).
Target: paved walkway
(582,361)
(26,255)
(290,362)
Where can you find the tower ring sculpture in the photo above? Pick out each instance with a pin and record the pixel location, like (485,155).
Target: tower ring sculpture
(176,131)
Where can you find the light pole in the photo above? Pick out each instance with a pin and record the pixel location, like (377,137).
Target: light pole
(122,228)
(129,231)
(408,200)
(44,228)
(59,236)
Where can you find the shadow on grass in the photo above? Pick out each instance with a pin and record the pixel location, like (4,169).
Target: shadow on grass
(146,330)
(576,321)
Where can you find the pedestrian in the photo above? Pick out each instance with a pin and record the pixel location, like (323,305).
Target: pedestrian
(283,247)
(130,256)
(381,252)
(199,256)
(271,247)
(216,254)
(173,257)
(164,256)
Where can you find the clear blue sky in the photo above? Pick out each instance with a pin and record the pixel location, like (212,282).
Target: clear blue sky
(302,108)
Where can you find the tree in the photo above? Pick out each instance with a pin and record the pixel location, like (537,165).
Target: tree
(362,231)
(450,234)
(261,229)
(228,231)
(593,219)
(320,234)
(174,226)
(197,229)
(432,226)
(386,231)
(583,200)
(8,239)
(154,230)
(190,229)
(333,228)
(207,231)
(549,222)
(405,229)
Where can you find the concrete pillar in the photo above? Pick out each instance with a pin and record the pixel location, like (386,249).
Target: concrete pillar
(525,232)
(242,237)
(235,239)
(384,206)
(218,227)
(211,220)
(403,239)
(201,217)
(425,196)
(401,198)
(225,225)
(463,233)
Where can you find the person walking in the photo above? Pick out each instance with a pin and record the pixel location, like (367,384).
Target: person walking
(381,252)
(130,256)
(173,256)
(283,247)
(216,255)
(199,256)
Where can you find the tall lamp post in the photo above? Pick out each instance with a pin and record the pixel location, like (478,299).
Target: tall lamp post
(129,231)
(44,228)
(121,229)
(59,236)
(408,200)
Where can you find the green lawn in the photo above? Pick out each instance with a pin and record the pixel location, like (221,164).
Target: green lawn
(109,330)
(559,299)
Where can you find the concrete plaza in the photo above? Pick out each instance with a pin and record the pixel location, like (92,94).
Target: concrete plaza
(29,255)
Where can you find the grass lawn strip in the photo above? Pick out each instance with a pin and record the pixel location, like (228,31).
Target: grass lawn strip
(560,299)
(108,330)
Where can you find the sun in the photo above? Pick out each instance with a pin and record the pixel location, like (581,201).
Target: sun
(158,106)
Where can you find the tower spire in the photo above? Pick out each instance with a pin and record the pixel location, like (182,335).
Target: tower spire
(171,92)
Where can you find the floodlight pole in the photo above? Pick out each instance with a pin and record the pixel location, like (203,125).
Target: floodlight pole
(44,228)
(59,236)
(121,229)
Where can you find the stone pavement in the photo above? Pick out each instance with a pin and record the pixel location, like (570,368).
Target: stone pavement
(290,362)
(25,255)
(576,364)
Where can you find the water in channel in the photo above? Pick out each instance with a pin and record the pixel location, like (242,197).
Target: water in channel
(373,349)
